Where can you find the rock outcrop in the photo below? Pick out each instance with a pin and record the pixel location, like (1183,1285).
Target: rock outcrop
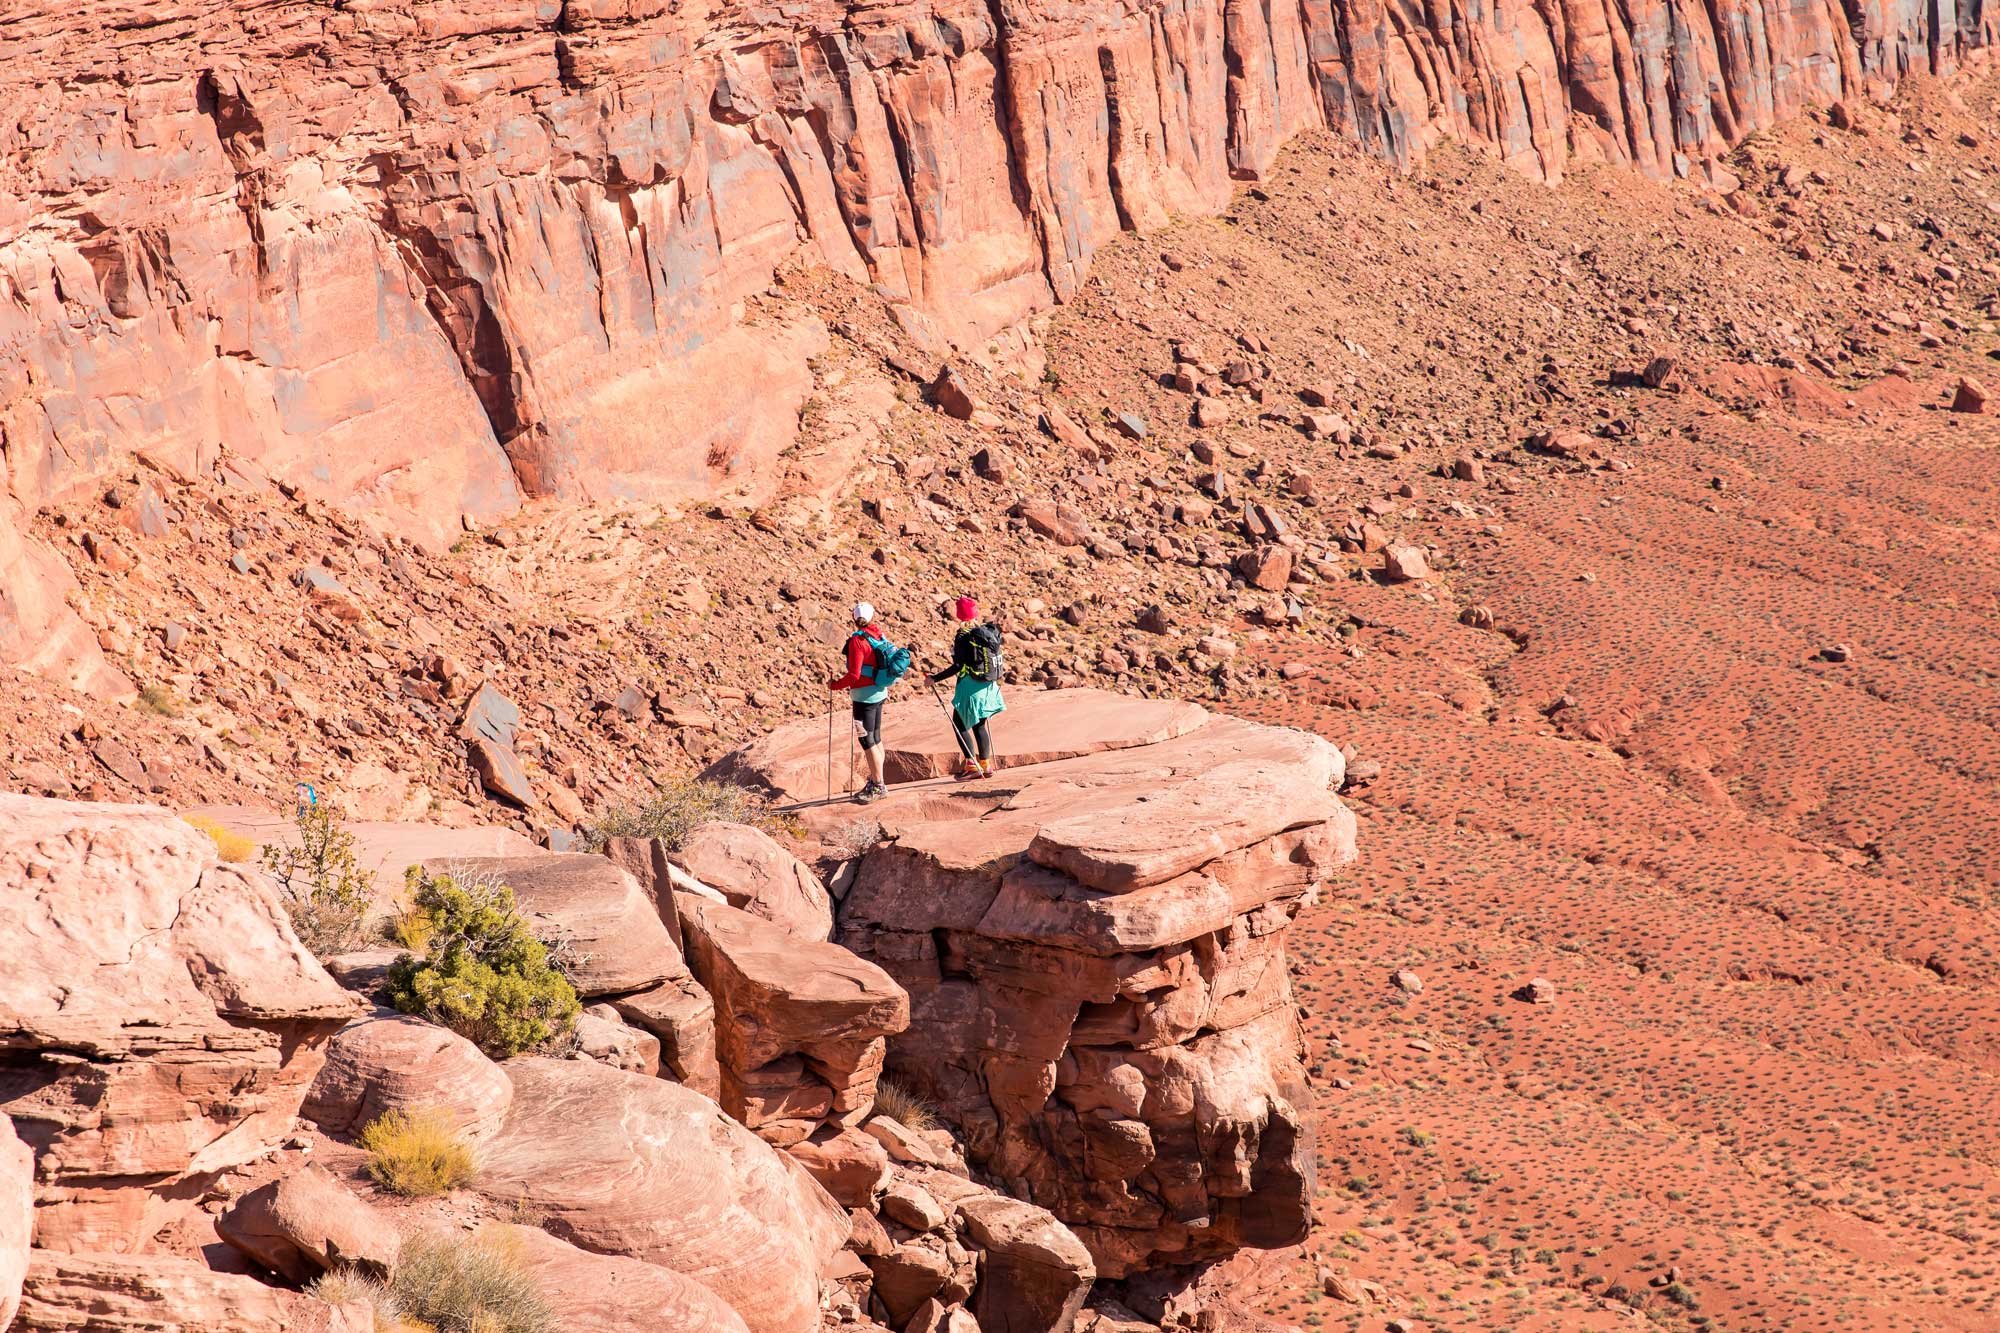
(622,1164)
(1094,951)
(606,1293)
(118,1293)
(308,1223)
(801,1024)
(17,1216)
(424,259)
(161,1020)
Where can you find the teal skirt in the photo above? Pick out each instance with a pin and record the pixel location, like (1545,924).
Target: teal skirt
(976,700)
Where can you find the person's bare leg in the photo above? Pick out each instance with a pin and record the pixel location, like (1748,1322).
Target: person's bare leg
(873,756)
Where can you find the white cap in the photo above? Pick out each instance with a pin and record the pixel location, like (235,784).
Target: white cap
(863,613)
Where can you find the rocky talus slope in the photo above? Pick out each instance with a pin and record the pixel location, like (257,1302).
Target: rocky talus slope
(711,1152)
(427,259)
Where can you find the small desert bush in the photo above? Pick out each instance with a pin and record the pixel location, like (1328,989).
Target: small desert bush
(229,846)
(417,1153)
(676,810)
(324,888)
(482,973)
(899,1101)
(855,839)
(159,699)
(468,1284)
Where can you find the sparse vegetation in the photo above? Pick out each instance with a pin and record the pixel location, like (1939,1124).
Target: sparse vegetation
(156,698)
(677,809)
(229,846)
(448,1283)
(482,973)
(417,1153)
(325,890)
(899,1101)
(469,1284)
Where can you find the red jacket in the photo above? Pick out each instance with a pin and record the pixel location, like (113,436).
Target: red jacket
(859,655)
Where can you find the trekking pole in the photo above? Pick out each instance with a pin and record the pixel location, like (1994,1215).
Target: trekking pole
(829,749)
(964,746)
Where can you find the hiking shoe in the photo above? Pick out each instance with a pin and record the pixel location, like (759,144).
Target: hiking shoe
(870,791)
(971,769)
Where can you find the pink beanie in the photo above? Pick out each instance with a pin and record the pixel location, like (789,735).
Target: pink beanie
(967,609)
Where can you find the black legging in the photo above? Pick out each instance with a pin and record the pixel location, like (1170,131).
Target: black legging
(978,734)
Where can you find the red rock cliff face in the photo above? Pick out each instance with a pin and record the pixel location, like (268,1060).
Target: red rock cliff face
(427,258)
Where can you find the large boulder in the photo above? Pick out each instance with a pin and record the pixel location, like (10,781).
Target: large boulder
(176,1017)
(612,931)
(800,1024)
(304,1224)
(392,1062)
(622,1164)
(754,873)
(1036,1272)
(17,1216)
(1094,952)
(607,1293)
(119,1293)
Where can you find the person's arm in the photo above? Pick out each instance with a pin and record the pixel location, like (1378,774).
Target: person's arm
(961,657)
(857,653)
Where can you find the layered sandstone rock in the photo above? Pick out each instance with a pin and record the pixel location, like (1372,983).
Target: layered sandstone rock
(801,1024)
(392,1062)
(423,259)
(1094,951)
(622,1164)
(307,1223)
(606,1293)
(160,1019)
(116,1293)
(17,1216)
(748,867)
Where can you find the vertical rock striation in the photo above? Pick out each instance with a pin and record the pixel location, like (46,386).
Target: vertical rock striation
(423,258)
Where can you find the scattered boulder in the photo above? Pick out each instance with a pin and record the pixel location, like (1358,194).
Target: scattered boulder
(625,1165)
(1035,1274)
(1267,568)
(307,1223)
(393,1062)
(1407,981)
(953,395)
(1537,990)
(1969,396)
(185,1017)
(1403,564)
(851,1166)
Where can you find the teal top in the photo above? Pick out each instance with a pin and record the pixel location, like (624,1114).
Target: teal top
(868,694)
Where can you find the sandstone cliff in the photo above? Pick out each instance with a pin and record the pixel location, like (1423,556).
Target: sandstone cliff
(425,259)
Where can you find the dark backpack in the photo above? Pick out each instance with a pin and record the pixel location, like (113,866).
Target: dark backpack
(890,665)
(989,664)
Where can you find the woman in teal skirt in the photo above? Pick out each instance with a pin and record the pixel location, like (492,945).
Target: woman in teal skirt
(975,660)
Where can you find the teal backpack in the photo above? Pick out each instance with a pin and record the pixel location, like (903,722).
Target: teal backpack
(891,663)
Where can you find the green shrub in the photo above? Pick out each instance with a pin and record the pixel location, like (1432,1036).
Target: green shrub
(327,893)
(468,1284)
(482,973)
(677,809)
